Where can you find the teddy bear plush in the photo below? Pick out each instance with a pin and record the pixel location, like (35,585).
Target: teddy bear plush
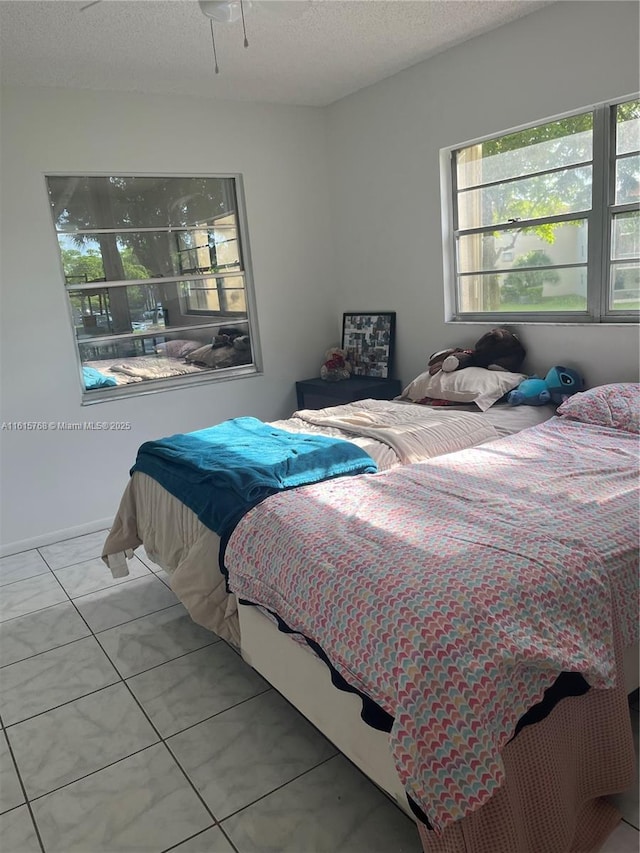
(559,383)
(336,366)
(499,349)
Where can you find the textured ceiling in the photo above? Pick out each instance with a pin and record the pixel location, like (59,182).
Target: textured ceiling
(300,51)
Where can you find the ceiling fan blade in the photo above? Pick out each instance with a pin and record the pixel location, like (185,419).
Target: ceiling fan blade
(224,11)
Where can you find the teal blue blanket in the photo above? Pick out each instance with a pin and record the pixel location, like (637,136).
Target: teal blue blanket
(223,471)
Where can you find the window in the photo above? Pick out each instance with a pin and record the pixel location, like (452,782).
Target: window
(546,222)
(156,277)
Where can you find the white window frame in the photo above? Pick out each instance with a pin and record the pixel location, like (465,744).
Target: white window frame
(599,218)
(206,376)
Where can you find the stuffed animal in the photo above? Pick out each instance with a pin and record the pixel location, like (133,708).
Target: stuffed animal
(498,349)
(558,384)
(563,382)
(227,336)
(336,366)
(530,392)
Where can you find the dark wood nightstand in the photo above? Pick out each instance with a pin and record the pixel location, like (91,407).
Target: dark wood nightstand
(318,393)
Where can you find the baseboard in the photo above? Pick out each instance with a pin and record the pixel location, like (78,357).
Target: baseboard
(55,536)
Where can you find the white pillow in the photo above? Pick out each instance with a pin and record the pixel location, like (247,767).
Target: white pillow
(469,385)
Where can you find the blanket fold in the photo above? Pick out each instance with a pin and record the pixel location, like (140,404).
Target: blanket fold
(222,471)
(412,432)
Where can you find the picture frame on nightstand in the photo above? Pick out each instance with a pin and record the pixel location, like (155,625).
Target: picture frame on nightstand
(369,339)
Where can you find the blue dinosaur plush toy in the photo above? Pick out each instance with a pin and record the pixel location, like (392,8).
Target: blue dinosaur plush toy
(559,383)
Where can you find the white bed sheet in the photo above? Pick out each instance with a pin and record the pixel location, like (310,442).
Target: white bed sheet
(176,540)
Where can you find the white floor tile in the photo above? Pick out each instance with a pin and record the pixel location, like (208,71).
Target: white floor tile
(17,832)
(18,567)
(196,686)
(141,804)
(40,631)
(623,839)
(146,559)
(331,808)
(165,577)
(75,550)
(32,594)
(10,791)
(52,678)
(111,607)
(248,751)
(78,738)
(154,639)
(93,575)
(210,841)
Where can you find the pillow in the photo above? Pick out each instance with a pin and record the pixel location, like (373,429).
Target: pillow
(92,378)
(177,349)
(616,405)
(218,357)
(469,385)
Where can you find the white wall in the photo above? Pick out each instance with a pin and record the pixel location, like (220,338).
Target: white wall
(384,145)
(55,481)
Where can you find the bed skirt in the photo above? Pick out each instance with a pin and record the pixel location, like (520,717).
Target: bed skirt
(557,773)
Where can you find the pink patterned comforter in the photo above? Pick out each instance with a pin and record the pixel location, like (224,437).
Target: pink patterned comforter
(453,592)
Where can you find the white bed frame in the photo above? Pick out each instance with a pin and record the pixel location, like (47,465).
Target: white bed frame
(305,681)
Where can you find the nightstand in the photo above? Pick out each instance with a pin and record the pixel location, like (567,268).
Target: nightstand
(318,393)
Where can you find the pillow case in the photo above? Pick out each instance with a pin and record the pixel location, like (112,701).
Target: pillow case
(469,385)
(616,405)
(177,349)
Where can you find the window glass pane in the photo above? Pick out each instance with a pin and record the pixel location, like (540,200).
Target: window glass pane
(553,145)
(205,250)
(146,358)
(568,191)
(233,294)
(545,245)
(224,294)
(628,127)
(144,308)
(153,272)
(525,290)
(102,350)
(529,197)
(625,287)
(201,296)
(148,254)
(625,235)
(123,310)
(88,203)
(628,180)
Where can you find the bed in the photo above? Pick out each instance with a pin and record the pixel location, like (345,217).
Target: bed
(393,433)
(492,649)
(141,368)
(173,357)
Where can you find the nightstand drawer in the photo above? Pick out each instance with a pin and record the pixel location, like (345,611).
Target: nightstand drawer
(318,394)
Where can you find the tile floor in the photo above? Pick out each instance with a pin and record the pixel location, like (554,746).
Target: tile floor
(126,727)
